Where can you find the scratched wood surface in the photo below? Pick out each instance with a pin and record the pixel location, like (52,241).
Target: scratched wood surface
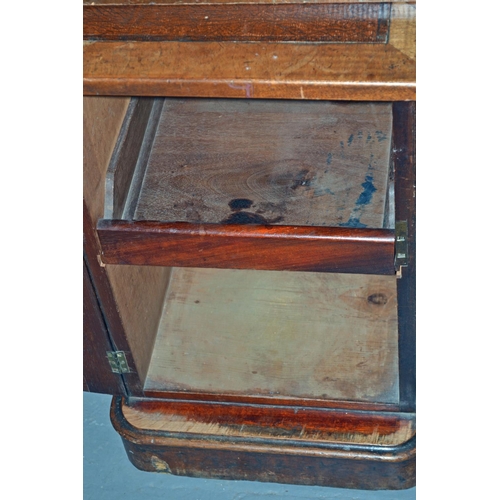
(268,162)
(302,424)
(278,334)
(359,72)
(316,22)
(268,458)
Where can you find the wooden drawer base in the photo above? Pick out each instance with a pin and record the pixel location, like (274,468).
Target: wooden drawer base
(254,455)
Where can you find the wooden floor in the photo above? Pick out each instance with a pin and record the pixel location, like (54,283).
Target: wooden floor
(268,162)
(311,335)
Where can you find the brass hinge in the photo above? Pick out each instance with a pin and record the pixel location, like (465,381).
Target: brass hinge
(401,251)
(118,362)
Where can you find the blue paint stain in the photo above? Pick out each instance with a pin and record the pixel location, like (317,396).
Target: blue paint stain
(342,144)
(329,159)
(364,199)
(349,141)
(366,196)
(380,136)
(368,138)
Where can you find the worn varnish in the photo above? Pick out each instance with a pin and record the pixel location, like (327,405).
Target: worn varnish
(278,334)
(314,22)
(268,162)
(355,72)
(297,423)
(258,454)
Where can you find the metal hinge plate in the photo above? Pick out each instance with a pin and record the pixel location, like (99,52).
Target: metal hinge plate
(118,362)
(401,254)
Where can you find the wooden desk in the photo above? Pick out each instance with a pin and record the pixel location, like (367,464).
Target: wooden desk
(249,237)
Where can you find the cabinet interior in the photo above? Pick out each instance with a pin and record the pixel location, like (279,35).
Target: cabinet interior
(309,335)
(278,334)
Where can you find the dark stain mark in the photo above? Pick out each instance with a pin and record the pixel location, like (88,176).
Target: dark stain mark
(249,218)
(352,222)
(380,136)
(329,159)
(302,179)
(368,138)
(366,196)
(196,301)
(329,379)
(349,141)
(360,134)
(379,299)
(239,204)
(254,372)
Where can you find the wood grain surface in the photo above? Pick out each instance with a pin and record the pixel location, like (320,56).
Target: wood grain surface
(238,22)
(124,161)
(311,462)
(377,72)
(302,424)
(268,162)
(278,333)
(286,401)
(233,246)
(129,297)
(102,122)
(403,33)
(97,376)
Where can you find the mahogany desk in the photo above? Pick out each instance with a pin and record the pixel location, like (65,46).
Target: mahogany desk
(249,236)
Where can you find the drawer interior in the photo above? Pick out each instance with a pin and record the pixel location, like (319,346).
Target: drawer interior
(298,163)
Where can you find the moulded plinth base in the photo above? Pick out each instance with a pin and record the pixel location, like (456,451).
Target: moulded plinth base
(222,441)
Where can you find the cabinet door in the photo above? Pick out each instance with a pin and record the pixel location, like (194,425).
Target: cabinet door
(130,299)
(97,375)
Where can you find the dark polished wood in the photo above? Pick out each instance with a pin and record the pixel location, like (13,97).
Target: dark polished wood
(227,246)
(270,400)
(272,420)
(404,160)
(316,22)
(97,376)
(107,301)
(306,461)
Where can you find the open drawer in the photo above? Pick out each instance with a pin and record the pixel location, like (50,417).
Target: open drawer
(252,184)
